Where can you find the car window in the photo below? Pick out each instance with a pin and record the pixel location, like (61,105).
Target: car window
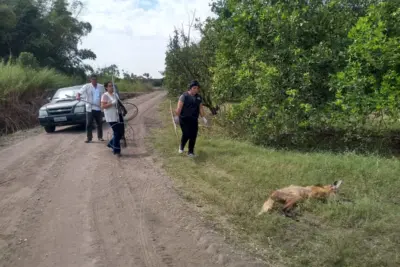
(65,94)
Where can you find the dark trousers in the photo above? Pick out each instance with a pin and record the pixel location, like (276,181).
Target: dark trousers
(94,115)
(190,127)
(121,120)
(115,142)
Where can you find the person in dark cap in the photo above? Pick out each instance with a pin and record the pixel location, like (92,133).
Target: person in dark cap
(187,114)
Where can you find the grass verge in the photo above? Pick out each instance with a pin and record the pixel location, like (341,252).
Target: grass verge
(232,179)
(134,86)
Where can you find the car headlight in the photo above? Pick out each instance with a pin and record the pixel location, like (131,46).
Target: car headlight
(79,109)
(42,113)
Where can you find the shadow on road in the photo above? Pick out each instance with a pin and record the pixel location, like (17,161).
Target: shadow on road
(75,129)
(69,129)
(135,155)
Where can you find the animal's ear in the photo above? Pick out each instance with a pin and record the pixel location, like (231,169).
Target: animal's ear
(337,183)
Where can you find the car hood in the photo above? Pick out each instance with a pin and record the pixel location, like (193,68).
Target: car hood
(62,104)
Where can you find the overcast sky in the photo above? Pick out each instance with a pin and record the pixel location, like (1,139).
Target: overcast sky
(133,34)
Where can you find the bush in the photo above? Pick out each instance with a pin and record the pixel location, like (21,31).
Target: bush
(22,92)
(133,86)
(17,81)
(28,60)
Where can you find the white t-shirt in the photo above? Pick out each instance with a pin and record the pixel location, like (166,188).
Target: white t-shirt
(110,113)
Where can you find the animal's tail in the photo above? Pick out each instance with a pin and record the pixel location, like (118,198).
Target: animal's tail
(267,206)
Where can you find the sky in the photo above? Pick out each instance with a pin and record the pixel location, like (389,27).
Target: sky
(134,34)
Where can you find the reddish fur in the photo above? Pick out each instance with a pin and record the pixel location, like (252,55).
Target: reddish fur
(293,194)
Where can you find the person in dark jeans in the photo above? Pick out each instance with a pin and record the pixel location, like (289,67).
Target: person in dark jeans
(92,93)
(122,112)
(97,116)
(109,102)
(187,114)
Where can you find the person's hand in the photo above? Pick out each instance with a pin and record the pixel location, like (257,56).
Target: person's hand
(205,121)
(176,119)
(114,101)
(78,97)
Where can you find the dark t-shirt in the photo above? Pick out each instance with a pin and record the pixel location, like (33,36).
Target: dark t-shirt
(191,105)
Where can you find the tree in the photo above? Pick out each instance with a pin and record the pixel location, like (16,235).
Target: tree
(370,82)
(49,30)
(186,61)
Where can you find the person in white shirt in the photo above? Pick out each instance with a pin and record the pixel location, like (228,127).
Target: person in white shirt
(109,102)
(91,92)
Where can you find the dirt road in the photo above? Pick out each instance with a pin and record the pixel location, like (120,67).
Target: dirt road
(67,203)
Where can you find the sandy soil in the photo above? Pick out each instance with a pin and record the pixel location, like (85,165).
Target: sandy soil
(67,203)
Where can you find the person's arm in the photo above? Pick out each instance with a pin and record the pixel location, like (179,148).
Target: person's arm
(81,92)
(202,113)
(104,102)
(180,105)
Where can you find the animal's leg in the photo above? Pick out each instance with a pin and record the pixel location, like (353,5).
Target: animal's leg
(289,204)
(266,207)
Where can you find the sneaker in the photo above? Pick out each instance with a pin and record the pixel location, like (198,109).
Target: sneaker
(180,150)
(191,155)
(101,139)
(88,140)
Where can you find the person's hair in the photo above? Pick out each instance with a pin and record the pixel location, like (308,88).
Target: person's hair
(193,83)
(93,76)
(106,84)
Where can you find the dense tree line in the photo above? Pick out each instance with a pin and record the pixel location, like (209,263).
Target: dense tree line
(292,67)
(47,29)
(39,53)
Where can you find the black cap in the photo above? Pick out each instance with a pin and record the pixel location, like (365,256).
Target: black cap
(193,83)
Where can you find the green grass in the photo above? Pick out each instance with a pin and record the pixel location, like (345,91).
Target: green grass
(232,179)
(136,86)
(16,80)
(128,86)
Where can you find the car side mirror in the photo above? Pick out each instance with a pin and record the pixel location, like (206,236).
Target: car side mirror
(49,99)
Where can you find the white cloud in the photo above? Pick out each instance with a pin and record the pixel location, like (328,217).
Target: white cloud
(133,36)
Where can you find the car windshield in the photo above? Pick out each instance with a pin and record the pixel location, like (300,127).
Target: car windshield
(65,94)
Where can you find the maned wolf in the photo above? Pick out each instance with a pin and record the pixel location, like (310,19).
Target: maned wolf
(292,194)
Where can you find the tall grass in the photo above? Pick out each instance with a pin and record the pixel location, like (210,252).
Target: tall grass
(231,179)
(128,86)
(16,80)
(22,91)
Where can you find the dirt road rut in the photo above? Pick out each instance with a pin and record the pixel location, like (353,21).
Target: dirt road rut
(67,203)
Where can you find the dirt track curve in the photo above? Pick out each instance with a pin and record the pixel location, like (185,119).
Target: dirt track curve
(67,203)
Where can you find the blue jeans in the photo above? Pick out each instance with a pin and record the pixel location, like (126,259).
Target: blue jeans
(117,135)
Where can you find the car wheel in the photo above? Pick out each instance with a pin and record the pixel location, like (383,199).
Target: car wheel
(50,128)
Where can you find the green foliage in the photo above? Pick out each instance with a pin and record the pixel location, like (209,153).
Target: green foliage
(186,61)
(370,82)
(47,29)
(27,60)
(308,67)
(17,81)
(23,91)
(133,86)
(230,180)
(129,82)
